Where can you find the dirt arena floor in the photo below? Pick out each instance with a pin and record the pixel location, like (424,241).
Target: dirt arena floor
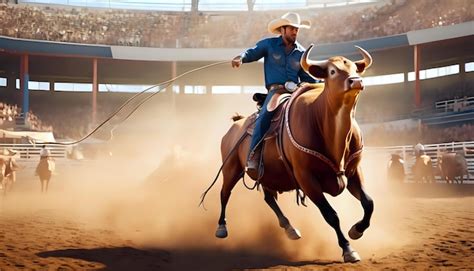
(138,210)
(93,219)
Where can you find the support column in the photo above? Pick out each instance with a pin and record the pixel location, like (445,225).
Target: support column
(24,81)
(11,82)
(173,75)
(462,78)
(95,89)
(417,59)
(194,5)
(51,86)
(174,72)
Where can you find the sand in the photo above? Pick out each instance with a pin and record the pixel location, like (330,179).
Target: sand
(138,210)
(102,221)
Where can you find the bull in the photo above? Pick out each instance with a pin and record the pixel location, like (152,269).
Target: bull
(317,150)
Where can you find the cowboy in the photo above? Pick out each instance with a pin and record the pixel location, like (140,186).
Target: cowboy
(282,71)
(10,164)
(44,152)
(419,149)
(45,157)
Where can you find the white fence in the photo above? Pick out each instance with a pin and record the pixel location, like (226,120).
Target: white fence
(407,153)
(28,151)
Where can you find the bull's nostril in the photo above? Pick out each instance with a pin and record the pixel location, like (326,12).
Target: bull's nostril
(350,81)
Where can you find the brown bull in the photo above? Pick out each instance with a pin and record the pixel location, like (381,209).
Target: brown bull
(319,146)
(452,166)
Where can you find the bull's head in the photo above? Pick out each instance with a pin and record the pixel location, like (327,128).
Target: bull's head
(340,74)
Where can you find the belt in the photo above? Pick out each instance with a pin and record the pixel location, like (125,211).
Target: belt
(275,87)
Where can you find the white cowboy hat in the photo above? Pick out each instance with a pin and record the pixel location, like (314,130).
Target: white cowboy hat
(289,18)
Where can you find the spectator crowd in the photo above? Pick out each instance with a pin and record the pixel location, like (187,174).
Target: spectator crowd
(9,114)
(223,30)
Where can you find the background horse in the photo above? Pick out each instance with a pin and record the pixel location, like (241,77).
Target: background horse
(315,154)
(8,168)
(423,169)
(452,166)
(44,171)
(396,169)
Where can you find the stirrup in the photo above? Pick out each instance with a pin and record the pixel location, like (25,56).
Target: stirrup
(254,165)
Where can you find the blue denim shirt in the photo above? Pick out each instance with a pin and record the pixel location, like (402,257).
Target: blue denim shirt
(279,67)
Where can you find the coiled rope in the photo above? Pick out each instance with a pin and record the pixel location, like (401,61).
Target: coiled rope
(166,83)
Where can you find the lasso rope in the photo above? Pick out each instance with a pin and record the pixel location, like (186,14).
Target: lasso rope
(167,83)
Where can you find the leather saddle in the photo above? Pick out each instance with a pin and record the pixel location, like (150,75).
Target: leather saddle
(278,105)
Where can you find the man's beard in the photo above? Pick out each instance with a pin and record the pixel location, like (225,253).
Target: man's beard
(290,39)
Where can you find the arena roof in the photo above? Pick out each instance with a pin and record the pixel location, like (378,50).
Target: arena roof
(35,47)
(202,5)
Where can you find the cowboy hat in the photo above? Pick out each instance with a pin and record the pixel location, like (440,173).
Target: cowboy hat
(289,18)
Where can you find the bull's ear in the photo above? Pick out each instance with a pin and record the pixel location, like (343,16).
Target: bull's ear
(360,66)
(364,63)
(317,69)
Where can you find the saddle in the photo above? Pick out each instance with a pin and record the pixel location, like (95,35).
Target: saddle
(277,104)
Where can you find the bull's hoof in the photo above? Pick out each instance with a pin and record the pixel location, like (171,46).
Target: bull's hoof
(351,256)
(354,234)
(292,233)
(221,231)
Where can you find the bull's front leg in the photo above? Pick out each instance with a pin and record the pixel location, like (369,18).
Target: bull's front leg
(355,185)
(312,189)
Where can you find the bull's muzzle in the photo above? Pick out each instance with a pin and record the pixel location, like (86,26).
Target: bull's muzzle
(354,83)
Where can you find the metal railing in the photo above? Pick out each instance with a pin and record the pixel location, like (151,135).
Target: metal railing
(432,150)
(29,151)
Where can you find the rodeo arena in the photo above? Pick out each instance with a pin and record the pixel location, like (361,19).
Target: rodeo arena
(167,135)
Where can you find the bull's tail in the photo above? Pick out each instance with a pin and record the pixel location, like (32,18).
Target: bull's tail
(237,117)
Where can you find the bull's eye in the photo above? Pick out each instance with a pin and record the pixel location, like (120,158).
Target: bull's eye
(333,72)
(345,62)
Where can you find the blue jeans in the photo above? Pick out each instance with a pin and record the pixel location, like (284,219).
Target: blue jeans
(262,123)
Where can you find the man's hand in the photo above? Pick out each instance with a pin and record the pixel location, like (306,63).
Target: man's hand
(236,62)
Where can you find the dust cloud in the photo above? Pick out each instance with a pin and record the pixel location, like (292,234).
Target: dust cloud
(162,160)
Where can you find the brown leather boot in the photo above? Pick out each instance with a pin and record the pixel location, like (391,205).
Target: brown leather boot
(253,163)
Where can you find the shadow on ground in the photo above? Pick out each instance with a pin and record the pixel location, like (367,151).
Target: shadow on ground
(128,258)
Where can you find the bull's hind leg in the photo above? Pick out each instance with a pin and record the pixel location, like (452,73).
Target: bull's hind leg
(291,232)
(231,176)
(355,187)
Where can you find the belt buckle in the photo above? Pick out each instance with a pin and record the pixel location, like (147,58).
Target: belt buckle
(290,86)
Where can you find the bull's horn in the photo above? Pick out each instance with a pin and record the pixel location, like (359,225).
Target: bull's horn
(306,63)
(367,58)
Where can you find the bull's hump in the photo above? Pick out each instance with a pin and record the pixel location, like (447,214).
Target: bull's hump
(312,94)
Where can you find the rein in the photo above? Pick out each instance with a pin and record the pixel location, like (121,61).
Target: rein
(203,196)
(166,85)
